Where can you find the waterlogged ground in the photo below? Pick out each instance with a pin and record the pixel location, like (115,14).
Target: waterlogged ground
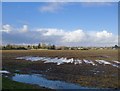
(89,68)
(62,60)
(41,81)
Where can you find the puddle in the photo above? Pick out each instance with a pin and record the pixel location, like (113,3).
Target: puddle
(63,60)
(89,62)
(117,62)
(51,60)
(4,72)
(102,62)
(41,81)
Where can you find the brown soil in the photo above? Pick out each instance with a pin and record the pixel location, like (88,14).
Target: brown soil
(83,74)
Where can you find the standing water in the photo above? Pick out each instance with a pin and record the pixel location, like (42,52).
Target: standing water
(41,81)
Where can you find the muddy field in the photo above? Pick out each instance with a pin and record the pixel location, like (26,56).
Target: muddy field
(101,75)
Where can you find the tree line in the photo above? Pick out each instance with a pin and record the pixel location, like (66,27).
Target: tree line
(50,47)
(28,47)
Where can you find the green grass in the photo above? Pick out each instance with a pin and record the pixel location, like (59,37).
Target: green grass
(9,84)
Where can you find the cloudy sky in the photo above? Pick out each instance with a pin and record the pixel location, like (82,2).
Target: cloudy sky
(60,23)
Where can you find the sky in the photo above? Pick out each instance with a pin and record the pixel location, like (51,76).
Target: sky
(60,23)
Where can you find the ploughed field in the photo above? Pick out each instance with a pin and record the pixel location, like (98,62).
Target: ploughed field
(90,68)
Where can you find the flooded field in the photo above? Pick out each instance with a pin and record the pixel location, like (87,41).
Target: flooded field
(87,68)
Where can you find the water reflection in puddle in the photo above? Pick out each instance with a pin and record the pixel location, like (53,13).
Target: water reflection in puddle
(41,81)
(63,60)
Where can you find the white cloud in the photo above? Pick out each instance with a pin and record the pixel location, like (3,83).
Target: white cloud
(6,28)
(53,32)
(103,34)
(74,36)
(51,7)
(55,36)
(25,28)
